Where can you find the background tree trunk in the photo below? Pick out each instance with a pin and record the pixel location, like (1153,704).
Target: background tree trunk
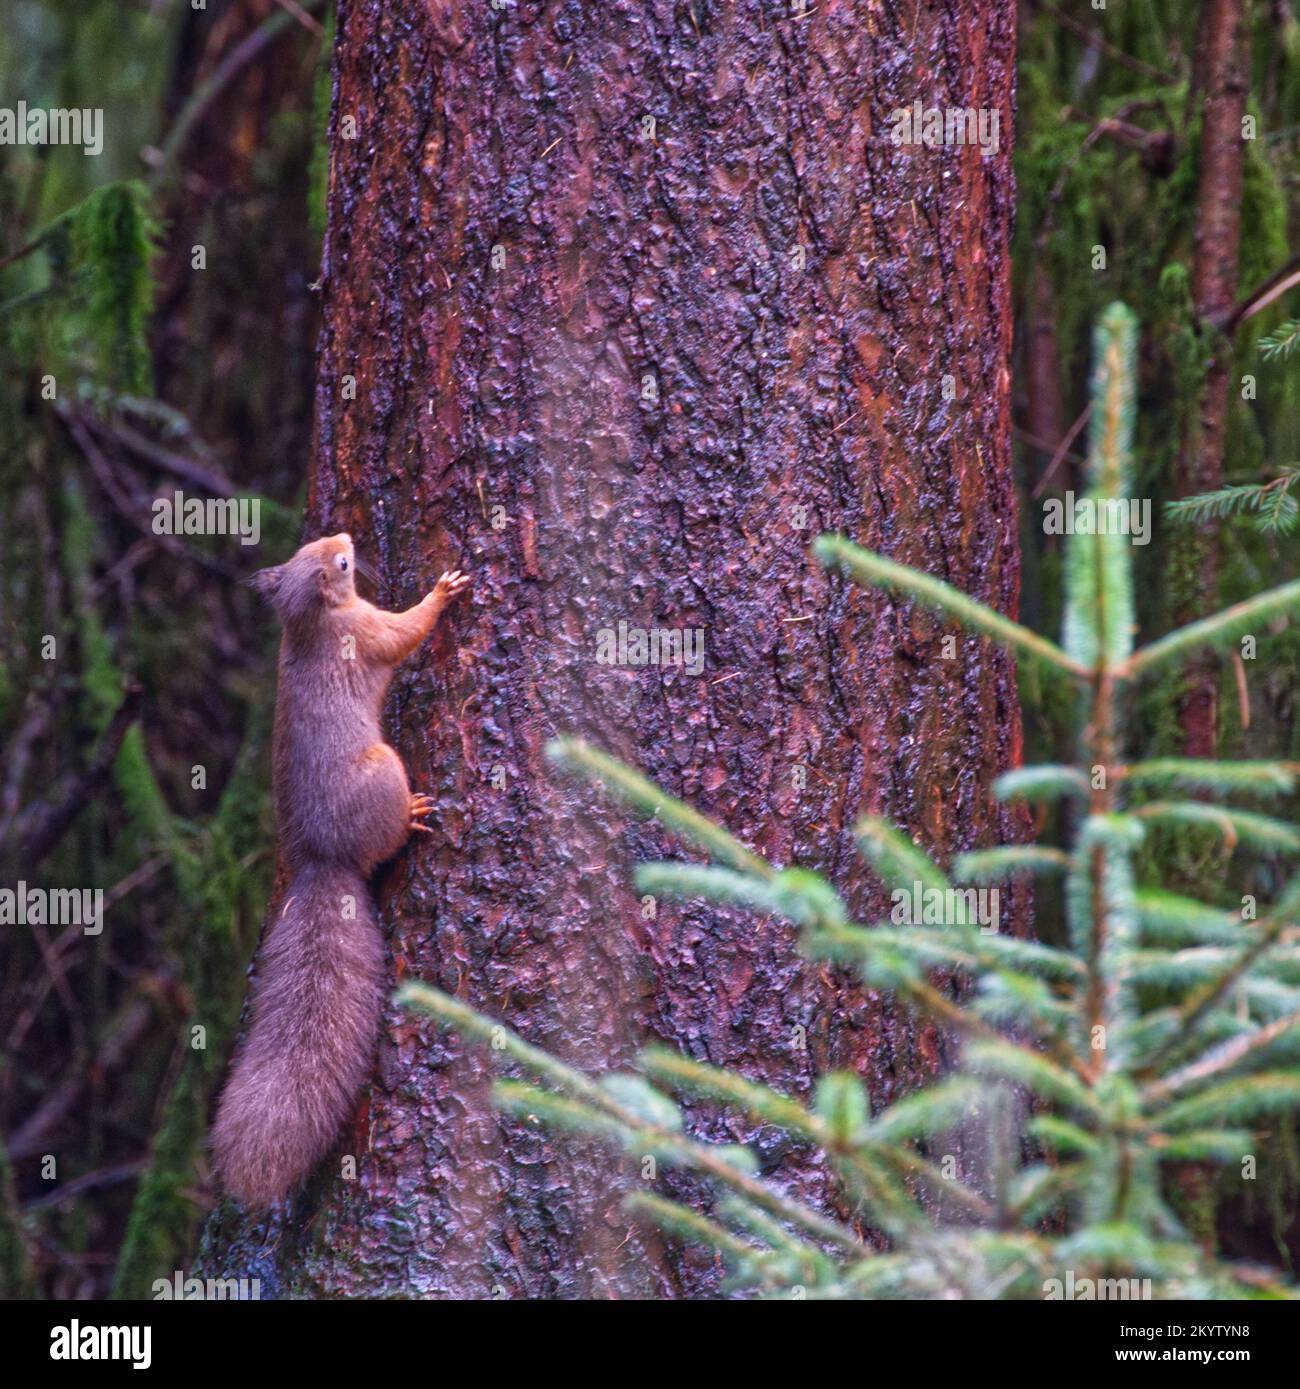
(636,299)
(233,342)
(1219,87)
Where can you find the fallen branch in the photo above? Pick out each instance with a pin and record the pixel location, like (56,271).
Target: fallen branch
(1262,296)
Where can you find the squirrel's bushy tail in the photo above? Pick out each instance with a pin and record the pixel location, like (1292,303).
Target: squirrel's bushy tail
(309,1046)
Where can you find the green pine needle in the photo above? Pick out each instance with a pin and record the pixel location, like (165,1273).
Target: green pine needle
(898,861)
(1221,778)
(646,798)
(1253,616)
(1282,341)
(879,572)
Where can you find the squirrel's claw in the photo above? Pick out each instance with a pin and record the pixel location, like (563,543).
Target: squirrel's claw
(420,805)
(452,584)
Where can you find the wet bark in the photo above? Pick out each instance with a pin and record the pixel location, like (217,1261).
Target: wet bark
(623,305)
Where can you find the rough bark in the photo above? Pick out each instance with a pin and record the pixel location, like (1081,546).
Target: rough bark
(643,408)
(1220,87)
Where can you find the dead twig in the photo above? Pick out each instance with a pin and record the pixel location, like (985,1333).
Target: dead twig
(182,467)
(106,1176)
(1062,450)
(126,1028)
(35,725)
(1094,39)
(1277,284)
(44,827)
(128,507)
(73,935)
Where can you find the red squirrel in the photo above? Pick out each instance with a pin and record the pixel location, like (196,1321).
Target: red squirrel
(342,805)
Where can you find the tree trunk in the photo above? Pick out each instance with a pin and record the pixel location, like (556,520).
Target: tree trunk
(1219,85)
(623,305)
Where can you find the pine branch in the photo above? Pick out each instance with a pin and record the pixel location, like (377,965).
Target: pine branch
(940,1106)
(851,944)
(1252,615)
(723,885)
(1099,619)
(1275,510)
(1174,919)
(637,1137)
(643,796)
(1007,1061)
(1280,512)
(452,1013)
(969,950)
(1059,1133)
(1221,778)
(693,1228)
(1236,826)
(1245,1098)
(899,862)
(1282,341)
(879,572)
(1199,1004)
(1223,1058)
(1166,1084)
(794,1258)
(913,1167)
(1233,499)
(1046,782)
(993,865)
(1022,1002)
(1038,1190)
(758,1101)
(1203,1145)
(593,1109)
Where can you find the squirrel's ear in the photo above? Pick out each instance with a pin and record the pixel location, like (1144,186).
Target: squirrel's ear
(267,581)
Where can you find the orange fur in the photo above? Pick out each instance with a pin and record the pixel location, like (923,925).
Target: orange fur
(343,806)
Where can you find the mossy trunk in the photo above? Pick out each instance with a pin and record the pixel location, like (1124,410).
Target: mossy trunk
(1219,88)
(623,304)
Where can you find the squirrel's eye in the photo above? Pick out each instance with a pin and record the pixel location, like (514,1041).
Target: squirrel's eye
(343,563)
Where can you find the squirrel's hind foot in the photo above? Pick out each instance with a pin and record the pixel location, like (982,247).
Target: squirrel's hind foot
(421,805)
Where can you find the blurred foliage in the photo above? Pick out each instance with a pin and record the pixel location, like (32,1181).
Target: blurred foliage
(1165,1033)
(111,1047)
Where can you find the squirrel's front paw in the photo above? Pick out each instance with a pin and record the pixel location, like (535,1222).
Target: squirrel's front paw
(421,805)
(451,585)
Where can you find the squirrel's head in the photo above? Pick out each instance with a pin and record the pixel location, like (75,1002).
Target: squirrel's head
(320,574)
